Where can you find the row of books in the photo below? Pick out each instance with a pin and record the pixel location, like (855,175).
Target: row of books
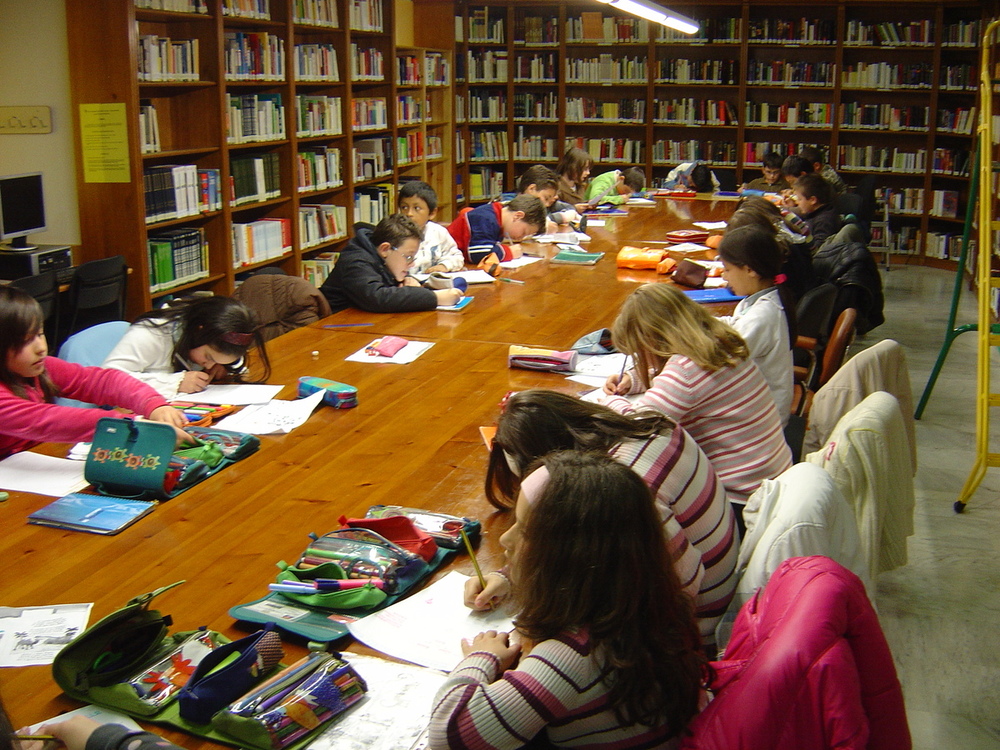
(675,70)
(589,109)
(489,66)
(253,56)
(251,118)
(622,150)
(176,256)
(592,26)
(795,31)
(484,27)
(790,72)
(367,63)
(890,33)
(374,202)
(318,169)
(366,15)
(906,240)
(163,59)
(882,159)
(315,270)
(487,107)
(883,75)
(536,68)
(606,68)
(944,203)
(905,201)
(789,115)
(536,106)
(713,152)
(437,70)
(460,152)
(690,111)
(261,240)
(254,178)
(318,115)
(321,222)
(884,117)
(260,9)
(962,34)
(369,113)
(485,183)
(173,191)
(953,161)
(535,29)
(535,147)
(943,245)
(410,148)
(372,158)
(316,13)
(963,77)
(753,151)
(316,62)
(960,120)
(411,110)
(149,128)
(488,145)
(176,6)
(408,72)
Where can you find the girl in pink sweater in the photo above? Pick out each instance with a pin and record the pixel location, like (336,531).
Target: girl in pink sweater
(30,381)
(606,651)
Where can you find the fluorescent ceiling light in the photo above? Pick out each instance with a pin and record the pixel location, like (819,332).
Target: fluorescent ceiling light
(655,13)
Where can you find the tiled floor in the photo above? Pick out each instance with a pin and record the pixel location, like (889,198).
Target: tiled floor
(941,612)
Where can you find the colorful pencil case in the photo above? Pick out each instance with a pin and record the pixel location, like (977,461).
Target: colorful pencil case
(445,529)
(202,415)
(386,346)
(687,235)
(337,395)
(527,358)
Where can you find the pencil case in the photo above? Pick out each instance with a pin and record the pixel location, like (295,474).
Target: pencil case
(438,280)
(202,415)
(639,258)
(386,346)
(400,529)
(687,235)
(690,273)
(337,395)
(445,529)
(527,358)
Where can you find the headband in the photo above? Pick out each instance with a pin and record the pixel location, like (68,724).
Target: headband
(238,339)
(534,484)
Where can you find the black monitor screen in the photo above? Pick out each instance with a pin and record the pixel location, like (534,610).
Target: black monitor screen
(22,208)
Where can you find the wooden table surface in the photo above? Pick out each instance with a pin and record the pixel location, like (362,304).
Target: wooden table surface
(412,440)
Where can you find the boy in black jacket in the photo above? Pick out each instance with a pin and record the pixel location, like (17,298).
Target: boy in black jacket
(373,272)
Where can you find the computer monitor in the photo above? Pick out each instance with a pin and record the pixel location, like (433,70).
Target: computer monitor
(22,209)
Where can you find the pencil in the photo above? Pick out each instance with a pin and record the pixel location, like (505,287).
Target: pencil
(475,563)
(29,737)
(348,325)
(509,281)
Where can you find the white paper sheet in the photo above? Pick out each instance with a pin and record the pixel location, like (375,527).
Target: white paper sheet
(404,356)
(524,260)
(640,202)
(591,222)
(476,276)
(392,716)
(688,247)
(34,635)
(98,714)
(710,225)
(427,627)
(273,418)
(41,474)
(591,381)
(602,365)
(237,394)
(571,238)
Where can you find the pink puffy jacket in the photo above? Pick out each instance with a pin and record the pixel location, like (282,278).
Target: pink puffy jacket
(807,668)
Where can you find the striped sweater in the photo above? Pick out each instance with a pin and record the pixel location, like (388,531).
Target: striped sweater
(698,523)
(556,688)
(729,412)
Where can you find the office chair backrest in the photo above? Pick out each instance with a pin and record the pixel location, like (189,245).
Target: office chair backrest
(98,291)
(836,347)
(814,311)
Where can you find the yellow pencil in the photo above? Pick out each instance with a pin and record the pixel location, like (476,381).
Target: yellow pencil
(475,563)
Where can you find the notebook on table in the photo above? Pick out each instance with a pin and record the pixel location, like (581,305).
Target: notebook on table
(97,514)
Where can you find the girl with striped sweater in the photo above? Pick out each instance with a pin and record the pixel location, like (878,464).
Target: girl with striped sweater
(697,370)
(695,519)
(606,649)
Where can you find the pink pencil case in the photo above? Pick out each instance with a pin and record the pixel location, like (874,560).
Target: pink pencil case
(386,346)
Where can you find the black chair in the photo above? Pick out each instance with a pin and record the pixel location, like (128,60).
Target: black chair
(97,293)
(44,287)
(814,313)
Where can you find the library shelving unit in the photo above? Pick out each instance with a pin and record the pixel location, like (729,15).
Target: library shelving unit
(885,89)
(259,127)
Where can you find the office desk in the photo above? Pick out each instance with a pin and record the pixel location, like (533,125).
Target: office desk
(413,440)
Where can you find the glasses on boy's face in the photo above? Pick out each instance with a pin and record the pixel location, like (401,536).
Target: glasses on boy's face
(408,257)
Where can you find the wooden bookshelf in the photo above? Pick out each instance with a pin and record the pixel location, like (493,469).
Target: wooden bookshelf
(881,88)
(255,84)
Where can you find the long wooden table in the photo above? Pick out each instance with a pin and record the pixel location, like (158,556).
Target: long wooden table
(412,440)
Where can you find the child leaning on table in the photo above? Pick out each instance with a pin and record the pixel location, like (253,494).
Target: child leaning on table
(190,344)
(372,272)
(605,644)
(438,252)
(30,381)
(616,187)
(482,231)
(543,183)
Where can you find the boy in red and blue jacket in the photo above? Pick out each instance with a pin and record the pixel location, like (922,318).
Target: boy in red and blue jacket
(478,232)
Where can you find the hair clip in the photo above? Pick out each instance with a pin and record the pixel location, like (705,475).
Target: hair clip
(505,399)
(239,339)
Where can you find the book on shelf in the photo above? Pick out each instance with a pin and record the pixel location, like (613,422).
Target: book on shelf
(96,514)
(372,203)
(318,115)
(173,191)
(367,63)
(319,169)
(254,178)
(252,118)
(437,71)
(369,113)
(945,204)
(408,70)
(260,240)
(176,6)
(316,13)
(253,56)
(149,127)
(485,183)
(259,9)
(320,223)
(177,256)
(372,158)
(366,15)
(316,62)
(315,270)
(163,59)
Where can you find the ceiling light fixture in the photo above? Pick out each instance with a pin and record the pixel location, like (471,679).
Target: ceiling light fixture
(655,13)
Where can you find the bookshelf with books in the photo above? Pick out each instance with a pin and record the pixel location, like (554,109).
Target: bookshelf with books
(236,118)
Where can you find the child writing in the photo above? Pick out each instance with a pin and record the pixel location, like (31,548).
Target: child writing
(438,251)
(373,272)
(812,200)
(772,181)
(30,381)
(605,653)
(752,260)
(696,521)
(697,370)
(543,183)
(189,345)
(692,175)
(815,157)
(573,170)
(616,187)
(481,231)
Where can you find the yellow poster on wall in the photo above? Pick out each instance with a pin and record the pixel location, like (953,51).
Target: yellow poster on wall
(104,143)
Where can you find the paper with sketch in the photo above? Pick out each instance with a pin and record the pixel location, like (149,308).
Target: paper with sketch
(427,628)
(237,394)
(710,225)
(392,716)
(524,260)
(602,365)
(41,474)
(98,714)
(273,418)
(404,356)
(34,635)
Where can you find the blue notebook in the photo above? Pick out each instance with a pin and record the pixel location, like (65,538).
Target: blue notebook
(707,296)
(98,514)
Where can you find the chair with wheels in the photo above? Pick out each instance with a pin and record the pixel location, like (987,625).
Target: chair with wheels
(44,287)
(97,293)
